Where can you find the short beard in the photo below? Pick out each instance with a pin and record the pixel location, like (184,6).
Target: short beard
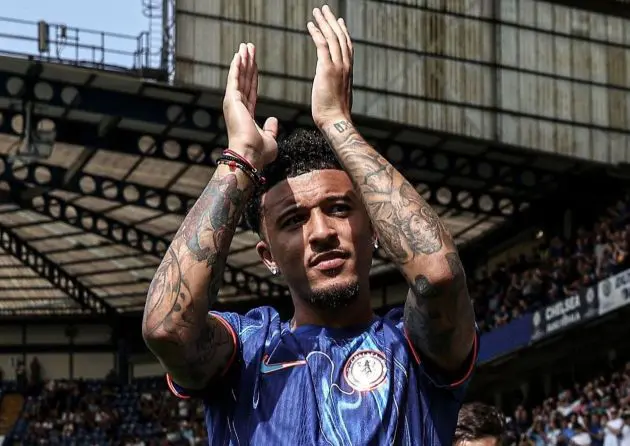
(334,297)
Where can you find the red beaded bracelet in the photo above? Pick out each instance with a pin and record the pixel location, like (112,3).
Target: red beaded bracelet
(240,157)
(233,160)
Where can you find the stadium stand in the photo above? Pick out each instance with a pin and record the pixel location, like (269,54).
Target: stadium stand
(556,270)
(93,412)
(145,413)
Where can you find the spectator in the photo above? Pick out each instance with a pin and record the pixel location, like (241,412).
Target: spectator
(625,429)
(581,437)
(595,426)
(612,429)
(36,372)
(20,376)
(479,425)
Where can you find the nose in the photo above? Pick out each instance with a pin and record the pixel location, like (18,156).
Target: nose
(321,231)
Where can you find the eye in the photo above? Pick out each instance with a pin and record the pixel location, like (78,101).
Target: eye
(293,220)
(341,209)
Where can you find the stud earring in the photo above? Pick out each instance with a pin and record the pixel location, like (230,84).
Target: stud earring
(375,243)
(273,269)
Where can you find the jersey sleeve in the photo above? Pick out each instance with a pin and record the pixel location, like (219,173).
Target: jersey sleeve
(433,376)
(248,333)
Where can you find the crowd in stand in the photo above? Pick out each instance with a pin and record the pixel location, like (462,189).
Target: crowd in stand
(145,413)
(594,413)
(91,412)
(556,270)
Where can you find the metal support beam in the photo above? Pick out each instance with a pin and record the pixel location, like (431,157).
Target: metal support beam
(428,164)
(56,348)
(145,242)
(157,108)
(124,192)
(128,193)
(51,272)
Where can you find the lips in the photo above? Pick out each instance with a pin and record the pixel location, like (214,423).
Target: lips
(328,260)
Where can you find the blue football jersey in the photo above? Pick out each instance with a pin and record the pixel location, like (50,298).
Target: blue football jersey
(322,386)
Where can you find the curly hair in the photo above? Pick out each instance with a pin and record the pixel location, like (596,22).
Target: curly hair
(300,152)
(477,421)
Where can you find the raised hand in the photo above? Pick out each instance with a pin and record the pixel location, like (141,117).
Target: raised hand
(257,145)
(331,98)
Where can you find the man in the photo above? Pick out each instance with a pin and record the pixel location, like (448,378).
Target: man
(479,425)
(335,374)
(625,429)
(612,430)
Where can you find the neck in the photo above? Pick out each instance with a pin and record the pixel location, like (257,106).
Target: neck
(357,313)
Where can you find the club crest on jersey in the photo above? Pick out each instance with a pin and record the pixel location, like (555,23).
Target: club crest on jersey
(366,370)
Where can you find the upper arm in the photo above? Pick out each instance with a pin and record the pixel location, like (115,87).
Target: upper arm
(193,367)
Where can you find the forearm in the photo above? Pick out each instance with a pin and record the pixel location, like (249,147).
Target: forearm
(438,313)
(187,282)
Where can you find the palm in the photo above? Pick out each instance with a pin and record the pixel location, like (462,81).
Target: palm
(245,114)
(321,96)
(332,87)
(239,107)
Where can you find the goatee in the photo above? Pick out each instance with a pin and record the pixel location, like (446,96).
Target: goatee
(334,297)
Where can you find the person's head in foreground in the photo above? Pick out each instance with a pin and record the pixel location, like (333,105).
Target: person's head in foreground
(314,229)
(479,424)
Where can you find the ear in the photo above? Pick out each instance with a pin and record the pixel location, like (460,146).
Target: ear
(262,248)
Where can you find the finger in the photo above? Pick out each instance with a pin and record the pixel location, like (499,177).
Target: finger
(320,42)
(243,78)
(331,38)
(271,127)
(253,91)
(344,29)
(233,74)
(249,50)
(340,36)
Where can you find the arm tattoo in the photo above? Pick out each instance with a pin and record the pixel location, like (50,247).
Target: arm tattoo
(438,313)
(192,346)
(211,227)
(407,226)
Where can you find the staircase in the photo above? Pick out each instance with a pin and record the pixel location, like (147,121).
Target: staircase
(10,410)
(154,11)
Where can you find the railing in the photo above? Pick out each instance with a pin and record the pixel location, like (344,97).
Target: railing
(53,42)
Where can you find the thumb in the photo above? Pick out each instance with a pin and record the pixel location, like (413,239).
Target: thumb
(271,127)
